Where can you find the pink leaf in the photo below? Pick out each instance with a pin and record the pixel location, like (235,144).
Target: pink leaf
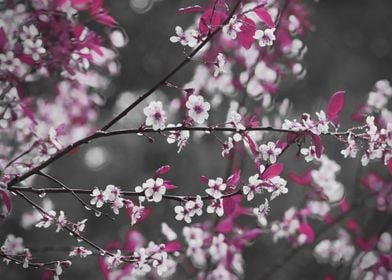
(265,16)
(162,170)
(102,16)
(134,240)
(318,144)
(3,38)
(344,205)
(173,246)
(328,219)
(6,199)
(251,235)
(190,9)
(252,145)
(96,5)
(303,180)
(230,205)
(169,186)
(352,225)
(233,180)
(210,21)
(389,165)
(308,231)
(335,105)
(248,30)
(225,226)
(272,171)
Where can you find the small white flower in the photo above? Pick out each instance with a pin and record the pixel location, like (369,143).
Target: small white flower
(198,108)
(181,137)
(46,219)
(232,28)
(270,151)
(8,61)
(61,221)
(153,189)
(182,214)
(219,64)
(309,153)
(12,245)
(98,198)
(266,37)
(216,187)
(227,146)
(79,226)
(115,260)
(235,119)
(261,212)
(185,38)
(168,232)
(216,207)
(156,116)
(279,186)
(252,187)
(80,251)
(34,49)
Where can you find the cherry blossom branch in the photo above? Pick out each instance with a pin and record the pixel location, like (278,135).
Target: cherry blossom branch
(113,121)
(67,228)
(103,134)
(162,82)
(291,254)
(180,198)
(36,264)
(88,207)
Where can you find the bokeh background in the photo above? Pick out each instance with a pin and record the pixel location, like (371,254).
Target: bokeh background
(349,49)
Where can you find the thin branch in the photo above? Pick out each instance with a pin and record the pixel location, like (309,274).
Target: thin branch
(180,198)
(163,81)
(291,254)
(34,264)
(129,108)
(103,134)
(87,206)
(67,228)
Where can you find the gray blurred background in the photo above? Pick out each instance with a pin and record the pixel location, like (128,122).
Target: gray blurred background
(349,50)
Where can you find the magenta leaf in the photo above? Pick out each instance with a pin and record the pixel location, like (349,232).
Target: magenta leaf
(248,30)
(134,240)
(335,105)
(3,38)
(344,205)
(308,231)
(230,205)
(162,170)
(233,180)
(318,144)
(210,21)
(303,180)
(6,199)
(389,165)
(273,170)
(252,145)
(225,225)
(190,9)
(168,185)
(173,246)
(265,16)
